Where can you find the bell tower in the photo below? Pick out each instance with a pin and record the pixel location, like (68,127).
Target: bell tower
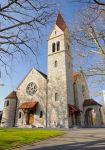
(60,79)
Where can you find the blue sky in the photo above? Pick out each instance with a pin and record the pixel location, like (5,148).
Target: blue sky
(19,68)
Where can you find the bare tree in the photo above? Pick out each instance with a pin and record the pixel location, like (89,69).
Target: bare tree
(89,35)
(98,2)
(20,26)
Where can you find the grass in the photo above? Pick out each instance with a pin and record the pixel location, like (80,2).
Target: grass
(13,137)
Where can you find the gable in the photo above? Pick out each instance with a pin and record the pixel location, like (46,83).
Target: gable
(31,76)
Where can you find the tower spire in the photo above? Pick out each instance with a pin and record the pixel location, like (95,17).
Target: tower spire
(60,22)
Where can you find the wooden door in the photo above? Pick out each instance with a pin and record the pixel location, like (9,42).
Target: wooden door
(31,119)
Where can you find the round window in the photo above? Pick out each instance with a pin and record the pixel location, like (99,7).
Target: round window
(31,88)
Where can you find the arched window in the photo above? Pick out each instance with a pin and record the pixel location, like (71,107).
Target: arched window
(53,47)
(56,63)
(58,46)
(41,114)
(20,114)
(7,103)
(56,96)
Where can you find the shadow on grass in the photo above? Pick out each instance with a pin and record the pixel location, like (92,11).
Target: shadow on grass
(92,145)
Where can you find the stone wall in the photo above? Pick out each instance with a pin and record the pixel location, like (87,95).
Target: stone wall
(9,112)
(59,79)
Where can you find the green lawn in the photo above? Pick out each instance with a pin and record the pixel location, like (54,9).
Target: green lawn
(11,137)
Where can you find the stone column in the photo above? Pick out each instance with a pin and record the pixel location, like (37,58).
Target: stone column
(98,119)
(25,117)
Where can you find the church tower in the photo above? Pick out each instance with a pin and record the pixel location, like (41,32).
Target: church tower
(60,79)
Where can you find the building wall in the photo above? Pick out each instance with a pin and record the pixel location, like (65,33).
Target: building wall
(81,91)
(9,112)
(40,97)
(59,80)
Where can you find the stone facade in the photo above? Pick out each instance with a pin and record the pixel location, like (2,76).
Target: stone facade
(9,113)
(40,97)
(57,100)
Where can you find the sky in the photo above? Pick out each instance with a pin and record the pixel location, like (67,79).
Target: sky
(19,68)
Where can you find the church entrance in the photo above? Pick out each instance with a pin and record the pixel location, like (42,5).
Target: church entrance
(90,117)
(30,117)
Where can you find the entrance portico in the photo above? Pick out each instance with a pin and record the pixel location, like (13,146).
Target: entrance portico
(74,114)
(92,113)
(29,110)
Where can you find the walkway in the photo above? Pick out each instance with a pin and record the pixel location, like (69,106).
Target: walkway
(74,139)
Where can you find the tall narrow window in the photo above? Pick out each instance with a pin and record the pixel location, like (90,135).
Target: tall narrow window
(41,114)
(58,46)
(56,96)
(56,63)
(20,115)
(7,103)
(53,47)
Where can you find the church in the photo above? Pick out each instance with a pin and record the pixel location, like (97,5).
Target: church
(59,99)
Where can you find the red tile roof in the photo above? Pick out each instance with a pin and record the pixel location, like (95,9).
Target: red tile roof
(11,95)
(73,109)
(60,22)
(28,105)
(76,75)
(89,102)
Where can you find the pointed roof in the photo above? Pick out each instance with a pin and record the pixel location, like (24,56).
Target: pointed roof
(60,22)
(11,95)
(89,102)
(44,75)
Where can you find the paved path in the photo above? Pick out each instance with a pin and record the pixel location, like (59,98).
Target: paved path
(74,139)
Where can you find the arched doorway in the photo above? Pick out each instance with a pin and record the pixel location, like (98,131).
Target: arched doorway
(90,117)
(30,117)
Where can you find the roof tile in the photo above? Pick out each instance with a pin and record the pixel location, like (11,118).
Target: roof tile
(60,22)
(11,95)
(76,75)
(89,102)
(28,105)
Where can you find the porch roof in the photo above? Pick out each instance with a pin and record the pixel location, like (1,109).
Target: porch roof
(28,105)
(90,102)
(73,108)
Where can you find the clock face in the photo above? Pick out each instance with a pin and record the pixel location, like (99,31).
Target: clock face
(31,88)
